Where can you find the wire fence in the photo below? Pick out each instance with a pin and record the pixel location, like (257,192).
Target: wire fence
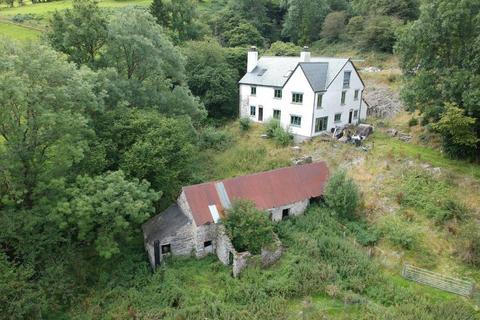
(458,286)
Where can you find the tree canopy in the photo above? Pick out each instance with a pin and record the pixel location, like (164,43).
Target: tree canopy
(249,228)
(445,70)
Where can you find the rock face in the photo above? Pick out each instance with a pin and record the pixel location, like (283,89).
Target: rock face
(383,102)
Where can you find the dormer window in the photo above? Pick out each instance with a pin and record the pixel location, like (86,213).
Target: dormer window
(346,79)
(253,91)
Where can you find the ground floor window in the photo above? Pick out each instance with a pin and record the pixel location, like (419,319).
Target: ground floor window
(338,117)
(166,249)
(296,121)
(355,114)
(276,114)
(321,124)
(253,111)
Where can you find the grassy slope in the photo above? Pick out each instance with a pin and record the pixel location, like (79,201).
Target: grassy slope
(17,32)
(42,11)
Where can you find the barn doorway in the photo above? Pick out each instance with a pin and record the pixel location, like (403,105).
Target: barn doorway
(285,213)
(156,251)
(230,258)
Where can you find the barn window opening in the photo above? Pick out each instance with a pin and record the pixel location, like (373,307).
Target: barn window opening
(207,243)
(166,249)
(285,213)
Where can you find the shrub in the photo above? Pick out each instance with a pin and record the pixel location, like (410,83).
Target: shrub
(245,123)
(413,122)
(366,235)
(249,228)
(453,210)
(399,232)
(271,126)
(212,138)
(275,131)
(470,244)
(341,194)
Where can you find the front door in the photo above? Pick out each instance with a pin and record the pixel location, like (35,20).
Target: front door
(260,113)
(350,115)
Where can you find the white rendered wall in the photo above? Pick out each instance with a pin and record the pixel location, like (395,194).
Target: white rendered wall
(332,99)
(264,97)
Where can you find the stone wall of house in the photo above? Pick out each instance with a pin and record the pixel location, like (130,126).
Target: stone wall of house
(240,262)
(224,246)
(271,255)
(203,233)
(181,244)
(183,204)
(295,209)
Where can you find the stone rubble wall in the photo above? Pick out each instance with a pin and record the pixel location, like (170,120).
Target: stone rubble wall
(271,255)
(296,209)
(181,244)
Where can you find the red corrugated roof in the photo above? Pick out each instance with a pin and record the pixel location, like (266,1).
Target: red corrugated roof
(270,189)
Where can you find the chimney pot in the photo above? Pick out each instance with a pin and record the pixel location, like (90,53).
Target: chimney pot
(305,55)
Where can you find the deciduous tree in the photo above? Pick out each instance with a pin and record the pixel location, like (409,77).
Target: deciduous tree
(104,211)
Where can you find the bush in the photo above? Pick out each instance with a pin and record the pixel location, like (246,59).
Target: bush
(341,194)
(274,130)
(245,123)
(399,232)
(470,244)
(249,228)
(413,122)
(212,138)
(366,235)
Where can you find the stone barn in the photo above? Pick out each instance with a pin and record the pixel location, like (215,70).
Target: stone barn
(190,226)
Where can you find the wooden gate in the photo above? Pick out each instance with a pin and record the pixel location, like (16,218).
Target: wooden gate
(439,281)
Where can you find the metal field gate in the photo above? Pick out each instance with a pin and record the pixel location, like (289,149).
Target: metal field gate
(439,281)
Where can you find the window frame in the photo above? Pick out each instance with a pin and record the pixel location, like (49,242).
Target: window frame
(319,97)
(326,124)
(293,124)
(254,109)
(356,95)
(253,90)
(343,99)
(335,117)
(298,94)
(355,114)
(167,247)
(275,93)
(279,114)
(346,81)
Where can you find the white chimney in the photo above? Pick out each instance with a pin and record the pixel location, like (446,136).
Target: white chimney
(305,55)
(252,58)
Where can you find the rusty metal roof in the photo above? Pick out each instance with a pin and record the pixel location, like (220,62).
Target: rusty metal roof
(270,189)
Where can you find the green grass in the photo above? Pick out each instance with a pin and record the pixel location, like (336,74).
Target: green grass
(18,32)
(42,12)
(383,144)
(43,9)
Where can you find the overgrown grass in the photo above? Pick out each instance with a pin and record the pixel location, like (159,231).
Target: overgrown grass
(384,145)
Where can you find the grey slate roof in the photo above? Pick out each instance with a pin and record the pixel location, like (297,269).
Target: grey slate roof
(164,224)
(275,71)
(316,73)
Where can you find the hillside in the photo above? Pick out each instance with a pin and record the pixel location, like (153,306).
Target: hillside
(121,103)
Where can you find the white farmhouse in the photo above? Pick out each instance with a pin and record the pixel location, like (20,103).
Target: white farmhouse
(307,94)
